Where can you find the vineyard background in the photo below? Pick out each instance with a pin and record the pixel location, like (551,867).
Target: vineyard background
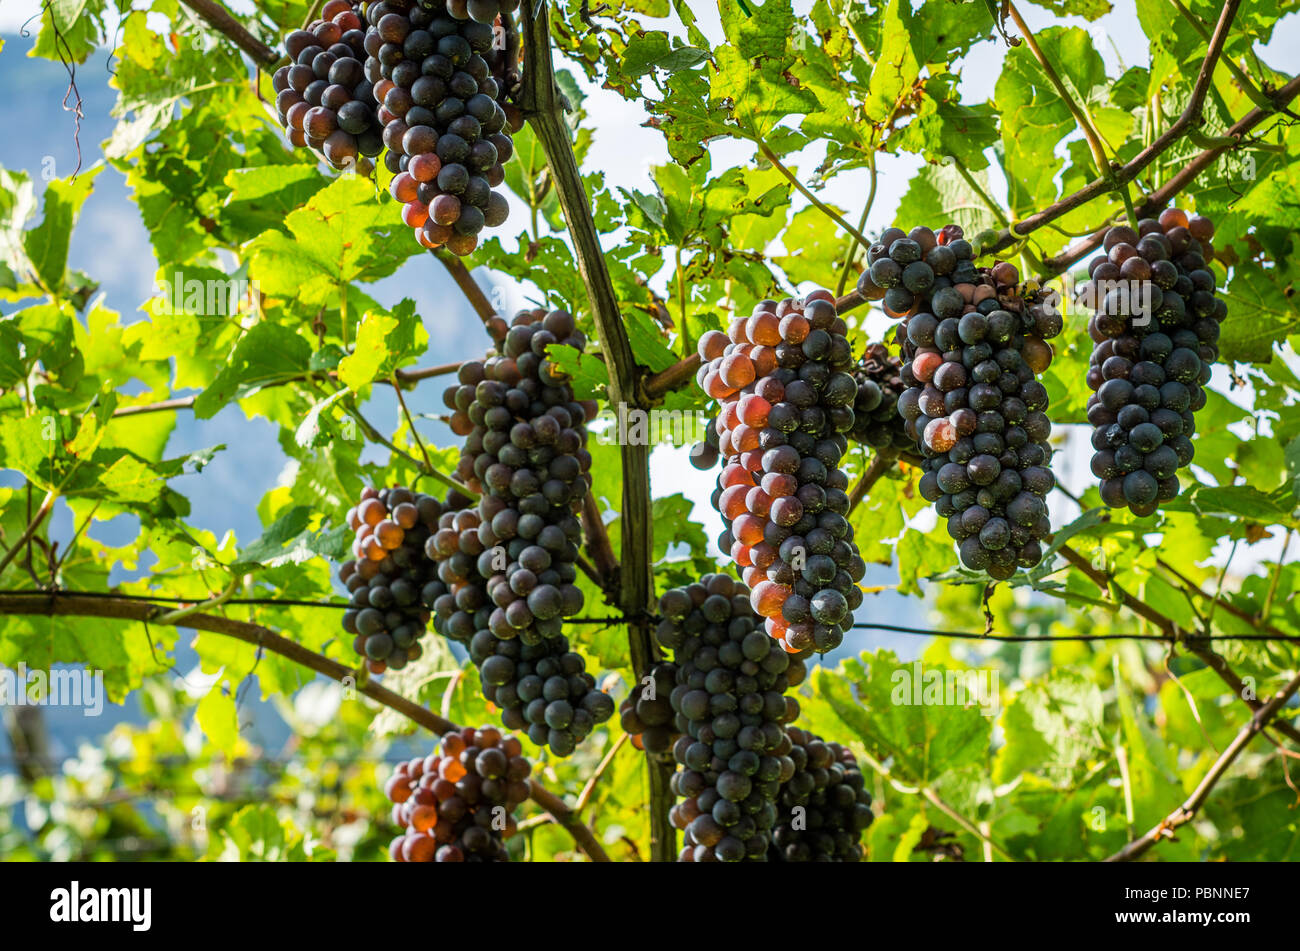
(1050,778)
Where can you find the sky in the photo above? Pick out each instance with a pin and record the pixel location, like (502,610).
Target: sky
(112,246)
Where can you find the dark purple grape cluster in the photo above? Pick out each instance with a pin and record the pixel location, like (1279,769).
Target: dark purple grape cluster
(824,807)
(525,450)
(457,803)
(786,404)
(391,580)
(876,422)
(729,704)
(974,341)
(324,98)
(448,137)
(1156,331)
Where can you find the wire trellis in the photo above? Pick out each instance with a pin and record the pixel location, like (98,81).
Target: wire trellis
(615,620)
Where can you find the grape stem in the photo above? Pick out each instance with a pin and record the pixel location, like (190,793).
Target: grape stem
(817,203)
(1277,576)
(33,524)
(930,796)
(410,424)
(862,223)
(376,436)
(65,605)
(1079,111)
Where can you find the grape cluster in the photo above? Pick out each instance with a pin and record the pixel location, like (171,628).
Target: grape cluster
(1156,332)
(324,98)
(390,579)
(973,341)
(786,404)
(729,704)
(525,437)
(446,134)
(648,716)
(456,804)
(876,422)
(825,805)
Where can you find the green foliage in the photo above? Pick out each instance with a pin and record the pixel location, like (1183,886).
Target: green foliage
(1077,747)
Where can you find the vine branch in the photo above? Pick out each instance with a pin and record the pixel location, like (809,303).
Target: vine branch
(540,101)
(1076,110)
(468,286)
(1190,117)
(266,639)
(404,377)
(1186,812)
(1179,180)
(817,203)
(219,18)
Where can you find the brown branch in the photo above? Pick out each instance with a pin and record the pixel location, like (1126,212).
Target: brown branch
(584,797)
(468,286)
(1195,645)
(1181,179)
(1187,811)
(1118,177)
(1216,663)
(264,638)
(673,378)
(1222,602)
(33,524)
(882,462)
(564,816)
(219,18)
(1106,583)
(540,101)
(849,301)
(187,402)
(593,526)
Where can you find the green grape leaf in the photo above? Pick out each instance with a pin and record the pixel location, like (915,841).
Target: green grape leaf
(46,245)
(267,354)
